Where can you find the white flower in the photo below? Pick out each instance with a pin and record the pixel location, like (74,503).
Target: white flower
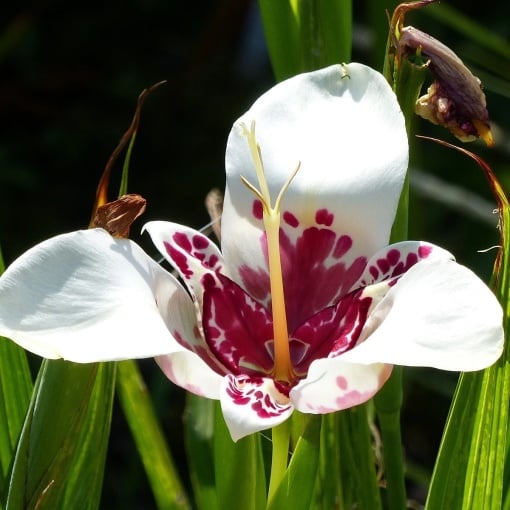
(305,307)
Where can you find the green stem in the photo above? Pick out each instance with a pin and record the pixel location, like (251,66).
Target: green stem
(407,85)
(281,439)
(387,404)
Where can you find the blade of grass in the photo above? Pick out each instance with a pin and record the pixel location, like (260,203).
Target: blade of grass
(15,391)
(470,468)
(156,457)
(61,452)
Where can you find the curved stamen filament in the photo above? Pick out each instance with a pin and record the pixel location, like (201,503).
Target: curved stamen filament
(283,370)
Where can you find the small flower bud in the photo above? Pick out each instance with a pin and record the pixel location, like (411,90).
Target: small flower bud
(455,99)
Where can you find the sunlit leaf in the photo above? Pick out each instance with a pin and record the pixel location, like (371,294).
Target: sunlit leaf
(152,447)
(15,390)
(296,489)
(239,469)
(306,35)
(469,472)
(61,454)
(199,431)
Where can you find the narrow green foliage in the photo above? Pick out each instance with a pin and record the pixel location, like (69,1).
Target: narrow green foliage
(15,390)
(329,491)
(347,455)
(281,30)
(357,458)
(123,187)
(303,35)
(407,79)
(60,457)
(281,442)
(156,457)
(470,469)
(199,433)
(297,487)
(239,469)
(83,488)
(387,404)
(325,32)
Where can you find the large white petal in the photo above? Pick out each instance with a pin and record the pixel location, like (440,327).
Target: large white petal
(439,314)
(333,384)
(344,126)
(86,297)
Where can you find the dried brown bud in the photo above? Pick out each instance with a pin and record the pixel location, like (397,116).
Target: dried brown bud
(214,206)
(117,217)
(455,99)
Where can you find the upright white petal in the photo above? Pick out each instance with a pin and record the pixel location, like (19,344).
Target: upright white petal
(86,297)
(439,314)
(344,127)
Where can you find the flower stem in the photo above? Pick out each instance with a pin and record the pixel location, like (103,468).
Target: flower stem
(387,404)
(281,439)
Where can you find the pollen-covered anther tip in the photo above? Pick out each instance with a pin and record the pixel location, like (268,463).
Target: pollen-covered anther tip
(117,217)
(484,132)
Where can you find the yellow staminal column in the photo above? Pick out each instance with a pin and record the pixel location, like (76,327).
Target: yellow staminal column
(283,370)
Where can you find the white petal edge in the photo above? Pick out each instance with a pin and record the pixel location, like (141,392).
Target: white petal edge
(419,249)
(344,126)
(242,419)
(187,370)
(439,314)
(161,233)
(86,297)
(333,384)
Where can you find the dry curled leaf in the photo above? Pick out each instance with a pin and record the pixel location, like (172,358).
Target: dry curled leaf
(214,206)
(117,217)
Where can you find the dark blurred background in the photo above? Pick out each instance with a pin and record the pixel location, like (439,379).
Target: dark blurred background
(70,75)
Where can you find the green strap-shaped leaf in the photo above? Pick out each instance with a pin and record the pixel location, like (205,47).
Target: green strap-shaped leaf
(297,487)
(60,457)
(347,475)
(281,31)
(303,35)
(325,32)
(407,81)
(83,489)
(469,472)
(239,469)
(15,390)
(156,457)
(199,433)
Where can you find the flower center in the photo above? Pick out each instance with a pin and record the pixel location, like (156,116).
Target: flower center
(283,369)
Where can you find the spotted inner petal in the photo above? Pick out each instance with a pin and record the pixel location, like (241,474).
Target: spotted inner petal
(319,266)
(236,328)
